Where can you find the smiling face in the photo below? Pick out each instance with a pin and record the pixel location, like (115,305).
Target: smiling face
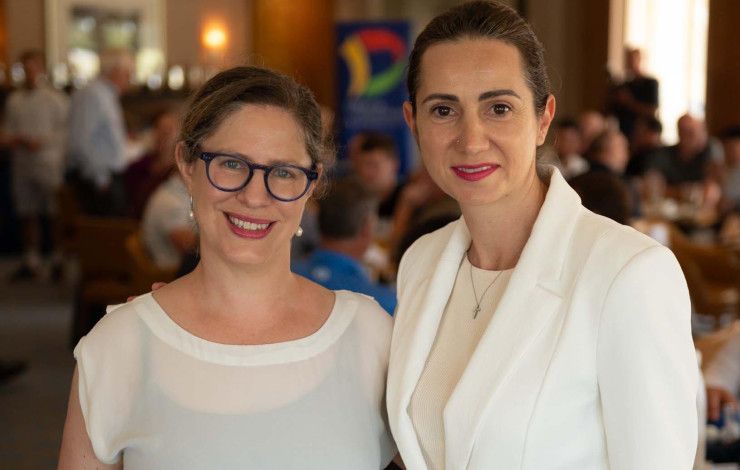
(476,123)
(248,226)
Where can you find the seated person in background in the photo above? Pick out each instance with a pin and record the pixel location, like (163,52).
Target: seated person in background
(144,175)
(167,227)
(591,124)
(420,201)
(604,193)
(729,231)
(730,173)
(346,224)
(420,228)
(691,160)
(722,379)
(375,163)
(645,141)
(567,147)
(609,153)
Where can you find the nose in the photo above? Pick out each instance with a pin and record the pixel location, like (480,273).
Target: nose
(255,193)
(473,137)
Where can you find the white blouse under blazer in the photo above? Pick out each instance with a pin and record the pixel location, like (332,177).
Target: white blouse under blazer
(587,363)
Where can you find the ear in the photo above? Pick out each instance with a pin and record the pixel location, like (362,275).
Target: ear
(545,120)
(186,168)
(408,116)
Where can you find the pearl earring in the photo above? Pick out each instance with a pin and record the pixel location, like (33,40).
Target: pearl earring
(299,232)
(190,214)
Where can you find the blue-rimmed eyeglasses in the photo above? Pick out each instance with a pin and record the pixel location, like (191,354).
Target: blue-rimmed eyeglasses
(232,173)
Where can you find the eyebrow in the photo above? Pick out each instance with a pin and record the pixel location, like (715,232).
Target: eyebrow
(482,97)
(272,162)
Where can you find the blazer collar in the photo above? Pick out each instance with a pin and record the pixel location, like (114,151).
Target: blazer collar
(526,311)
(544,254)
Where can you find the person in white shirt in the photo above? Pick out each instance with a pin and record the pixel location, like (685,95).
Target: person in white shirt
(241,363)
(722,377)
(35,127)
(167,229)
(530,333)
(722,381)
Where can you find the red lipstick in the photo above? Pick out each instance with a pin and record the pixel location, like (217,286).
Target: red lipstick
(474,172)
(248,227)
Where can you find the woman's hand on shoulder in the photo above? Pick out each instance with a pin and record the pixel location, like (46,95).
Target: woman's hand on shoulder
(155,286)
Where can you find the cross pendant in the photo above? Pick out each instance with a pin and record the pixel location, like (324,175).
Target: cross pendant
(475,312)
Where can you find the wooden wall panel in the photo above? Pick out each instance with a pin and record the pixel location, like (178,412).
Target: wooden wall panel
(25,24)
(296,37)
(575,36)
(3,34)
(723,65)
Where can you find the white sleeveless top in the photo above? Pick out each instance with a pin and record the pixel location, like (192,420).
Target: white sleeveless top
(163,398)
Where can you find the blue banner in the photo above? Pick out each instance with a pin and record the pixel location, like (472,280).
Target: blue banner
(372,59)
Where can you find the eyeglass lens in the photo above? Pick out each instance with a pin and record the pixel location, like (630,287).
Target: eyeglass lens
(283,182)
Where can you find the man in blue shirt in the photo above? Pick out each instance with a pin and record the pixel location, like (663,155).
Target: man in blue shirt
(97,137)
(346,224)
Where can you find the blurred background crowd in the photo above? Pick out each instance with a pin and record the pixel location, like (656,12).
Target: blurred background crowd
(92,209)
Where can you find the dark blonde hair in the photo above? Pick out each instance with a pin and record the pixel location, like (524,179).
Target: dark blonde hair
(487,20)
(231,89)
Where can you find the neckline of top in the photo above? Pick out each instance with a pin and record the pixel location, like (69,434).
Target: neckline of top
(174,335)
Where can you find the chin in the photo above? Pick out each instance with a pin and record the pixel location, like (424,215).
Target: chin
(479,195)
(243,253)
(247,256)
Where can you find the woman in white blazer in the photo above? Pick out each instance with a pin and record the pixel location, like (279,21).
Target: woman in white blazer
(531,333)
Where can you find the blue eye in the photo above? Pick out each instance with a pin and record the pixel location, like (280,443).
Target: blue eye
(284,172)
(232,164)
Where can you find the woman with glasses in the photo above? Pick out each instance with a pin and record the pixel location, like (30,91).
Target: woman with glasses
(240,364)
(531,333)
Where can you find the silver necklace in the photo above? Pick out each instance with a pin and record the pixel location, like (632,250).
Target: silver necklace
(476,310)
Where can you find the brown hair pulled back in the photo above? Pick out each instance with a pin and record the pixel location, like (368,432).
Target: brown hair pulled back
(231,89)
(487,20)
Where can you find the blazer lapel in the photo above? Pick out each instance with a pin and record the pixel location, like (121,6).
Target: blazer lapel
(419,336)
(528,314)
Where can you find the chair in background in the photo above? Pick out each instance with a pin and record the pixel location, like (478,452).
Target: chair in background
(69,211)
(712,274)
(709,345)
(104,269)
(142,269)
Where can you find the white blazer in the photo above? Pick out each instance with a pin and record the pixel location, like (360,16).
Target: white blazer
(588,362)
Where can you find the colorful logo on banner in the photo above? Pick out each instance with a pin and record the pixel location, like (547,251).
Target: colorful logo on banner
(357,50)
(371,69)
